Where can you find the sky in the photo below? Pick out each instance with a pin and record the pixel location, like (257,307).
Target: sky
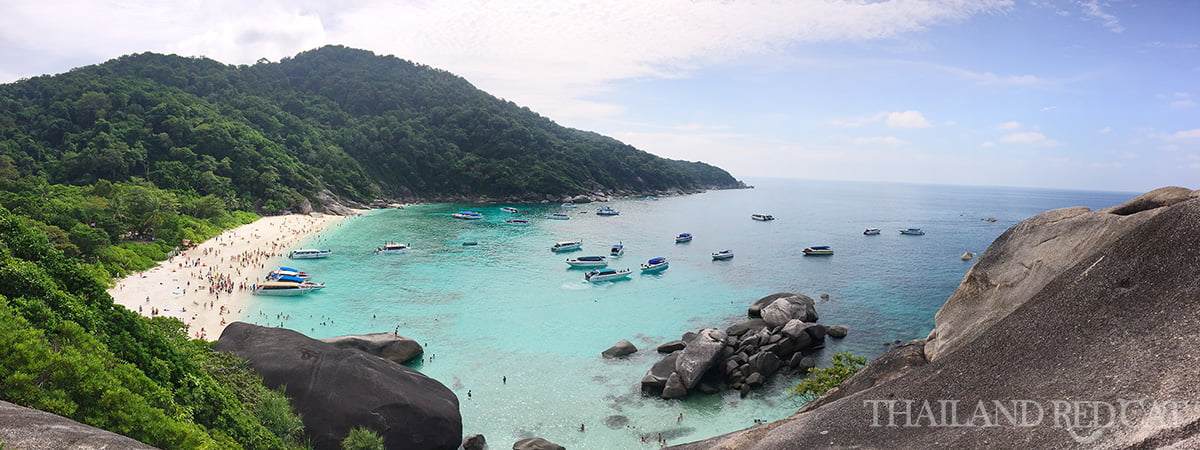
(1075,94)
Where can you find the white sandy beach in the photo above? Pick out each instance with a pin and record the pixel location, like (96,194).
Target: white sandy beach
(207,286)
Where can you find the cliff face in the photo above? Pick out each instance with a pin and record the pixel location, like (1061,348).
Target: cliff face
(1075,328)
(30,429)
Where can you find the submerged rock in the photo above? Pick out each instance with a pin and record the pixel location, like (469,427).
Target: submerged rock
(622,348)
(536,444)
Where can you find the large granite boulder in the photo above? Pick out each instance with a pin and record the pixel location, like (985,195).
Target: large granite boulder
(388,346)
(656,378)
(25,428)
(536,444)
(622,348)
(698,357)
(1103,320)
(803,301)
(336,389)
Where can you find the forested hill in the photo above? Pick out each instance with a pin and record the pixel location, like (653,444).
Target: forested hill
(271,135)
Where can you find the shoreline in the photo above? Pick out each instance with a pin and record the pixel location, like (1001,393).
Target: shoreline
(207,286)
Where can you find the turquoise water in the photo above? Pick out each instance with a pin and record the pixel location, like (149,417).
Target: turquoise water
(511,309)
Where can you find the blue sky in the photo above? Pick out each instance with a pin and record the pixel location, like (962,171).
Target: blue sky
(1084,94)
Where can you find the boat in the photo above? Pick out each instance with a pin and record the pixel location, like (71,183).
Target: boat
(722,255)
(658,264)
(912,231)
(818,250)
(606,274)
(568,205)
(683,237)
(469,243)
(467,215)
(559,216)
(281,288)
(616,250)
(290,271)
(391,248)
(517,222)
(309,253)
(290,279)
(762,217)
(871,231)
(566,246)
(588,261)
(509,209)
(606,211)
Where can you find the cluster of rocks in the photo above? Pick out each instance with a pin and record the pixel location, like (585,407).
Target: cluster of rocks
(780,331)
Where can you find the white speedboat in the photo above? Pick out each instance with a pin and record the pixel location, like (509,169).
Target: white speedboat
(762,217)
(568,205)
(290,279)
(517,222)
(606,211)
(912,231)
(391,248)
(559,216)
(309,253)
(871,231)
(722,255)
(280,288)
(606,274)
(683,237)
(566,246)
(658,264)
(818,250)
(467,215)
(509,209)
(588,261)
(616,250)
(290,272)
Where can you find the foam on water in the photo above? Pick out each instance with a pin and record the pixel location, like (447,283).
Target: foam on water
(509,308)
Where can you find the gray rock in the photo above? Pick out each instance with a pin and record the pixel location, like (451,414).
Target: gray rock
(616,422)
(746,326)
(622,348)
(25,428)
(806,302)
(474,442)
(755,380)
(388,346)
(536,444)
(781,311)
(765,363)
(817,331)
(675,387)
(688,336)
(672,346)
(698,357)
(335,389)
(838,331)
(656,378)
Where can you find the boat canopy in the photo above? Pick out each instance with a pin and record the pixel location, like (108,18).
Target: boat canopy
(288,269)
(289,278)
(590,258)
(820,247)
(658,260)
(914,229)
(685,234)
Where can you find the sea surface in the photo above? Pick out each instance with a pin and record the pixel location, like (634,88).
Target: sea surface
(517,334)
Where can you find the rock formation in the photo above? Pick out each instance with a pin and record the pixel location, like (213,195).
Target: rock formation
(30,429)
(388,346)
(536,444)
(620,349)
(1075,328)
(335,389)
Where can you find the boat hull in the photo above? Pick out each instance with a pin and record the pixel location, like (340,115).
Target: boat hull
(301,254)
(282,292)
(607,276)
(655,268)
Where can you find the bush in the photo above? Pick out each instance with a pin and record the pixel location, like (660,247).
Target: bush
(362,439)
(821,380)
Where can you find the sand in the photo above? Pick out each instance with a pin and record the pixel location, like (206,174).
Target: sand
(208,286)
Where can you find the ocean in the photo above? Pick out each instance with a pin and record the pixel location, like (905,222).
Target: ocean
(517,334)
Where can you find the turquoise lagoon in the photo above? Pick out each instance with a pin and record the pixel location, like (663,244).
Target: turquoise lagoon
(509,323)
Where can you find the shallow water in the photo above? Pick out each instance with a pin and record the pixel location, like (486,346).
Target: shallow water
(510,323)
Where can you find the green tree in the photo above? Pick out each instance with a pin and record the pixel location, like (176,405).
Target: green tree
(361,438)
(821,380)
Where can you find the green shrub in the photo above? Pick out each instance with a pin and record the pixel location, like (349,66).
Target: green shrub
(361,438)
(822,379)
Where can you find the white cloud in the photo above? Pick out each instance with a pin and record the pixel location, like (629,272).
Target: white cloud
(907,119)
(1105,130)
(887,140)
(1033,138)
(1186,135)
(1182,100)
(988,144)
(1008,126)
(1094,10)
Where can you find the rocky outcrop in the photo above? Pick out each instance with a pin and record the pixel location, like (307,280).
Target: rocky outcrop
(474,442)
(745,355)
(335,389)
(392,347)
(620,349)
(1085,338)
(25,428)
(536,444)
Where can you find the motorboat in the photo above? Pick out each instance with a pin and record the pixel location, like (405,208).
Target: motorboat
(391,248)
(722,255)
(912,231)
(280,288)
(467,215)
(616,250)
(683,237)
(658,264)
(607,211)
(517,222)
(309,253)
(762,217)
(566,246)
(588,261)
(871,231)
(606,274)
(509,209)
(559,216)
(568,205)
(290,279)
(290,271)
(818,250)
